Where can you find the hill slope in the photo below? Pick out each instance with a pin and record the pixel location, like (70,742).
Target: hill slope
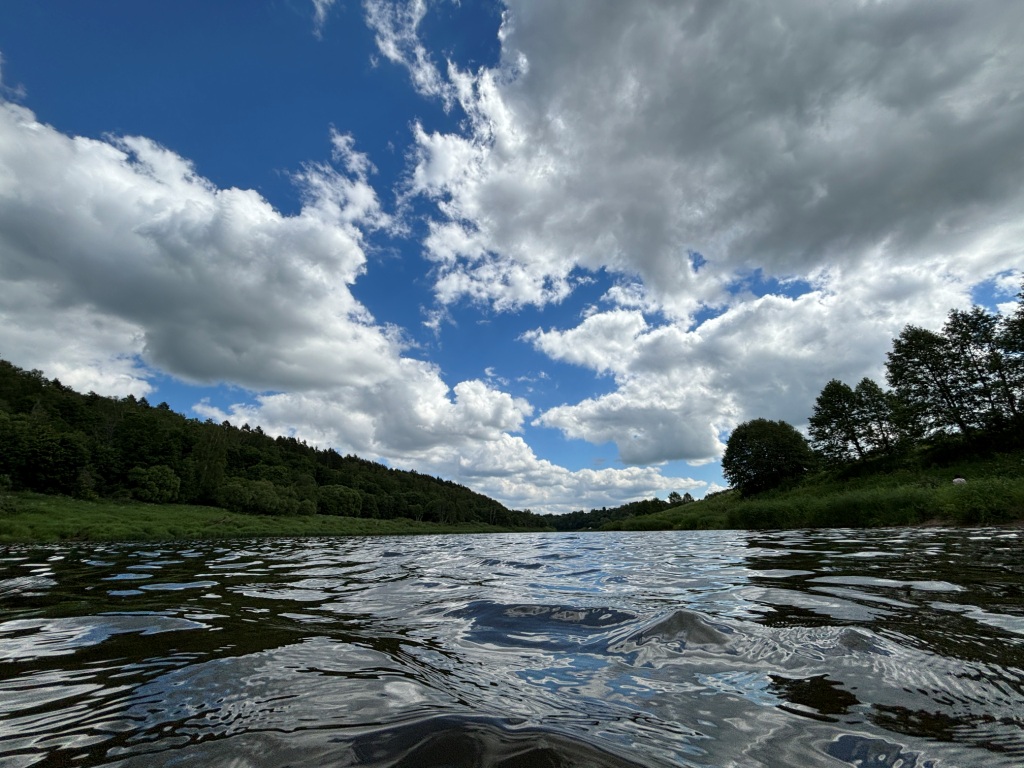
(54,440)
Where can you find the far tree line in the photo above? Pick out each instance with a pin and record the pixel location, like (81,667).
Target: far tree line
(57,441)
(964,382)
(580,520)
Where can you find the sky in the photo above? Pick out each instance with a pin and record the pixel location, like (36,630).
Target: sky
(555,252)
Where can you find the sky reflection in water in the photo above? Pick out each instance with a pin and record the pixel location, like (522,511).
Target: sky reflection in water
(695,649)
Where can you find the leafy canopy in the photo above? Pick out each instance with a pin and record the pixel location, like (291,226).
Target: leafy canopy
(763,454)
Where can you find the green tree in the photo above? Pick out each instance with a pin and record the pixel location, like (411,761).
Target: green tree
(979,370)
(156,485)
(849,424)
(1010,343)
(922,370)
(881,418)
(763,454)
(835,426)
(339,500)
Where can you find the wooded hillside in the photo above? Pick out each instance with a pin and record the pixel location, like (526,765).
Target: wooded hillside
(55,440)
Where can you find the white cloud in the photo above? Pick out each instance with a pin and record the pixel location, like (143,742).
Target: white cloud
(117,258)
(210,279)
(320,10)
(602,341)
(467,440)
(396,29)
(680,390)
(782,137)
(867,150)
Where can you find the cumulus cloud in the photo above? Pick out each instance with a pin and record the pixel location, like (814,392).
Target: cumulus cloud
(117,260)
(468,440)
(681,390)
(862,159)
(210,279)
(783,136)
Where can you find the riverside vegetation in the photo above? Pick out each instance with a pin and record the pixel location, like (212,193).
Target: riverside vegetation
(76,466)
(92,467)
(878,457)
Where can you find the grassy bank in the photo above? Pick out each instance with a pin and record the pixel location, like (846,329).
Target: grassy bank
(909,495)
(31,518)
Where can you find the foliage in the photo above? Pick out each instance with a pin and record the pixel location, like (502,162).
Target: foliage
(853,424)
(968,379)
(339,500)
(54,440)
(834,428)
(45,518)
(597,519)
(763,454)
(157,485)
(911,490)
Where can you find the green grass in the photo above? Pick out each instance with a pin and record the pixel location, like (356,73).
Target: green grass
(993,495)
(32,518)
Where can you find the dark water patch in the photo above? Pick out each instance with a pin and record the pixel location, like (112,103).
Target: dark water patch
(452,742)
(552,627)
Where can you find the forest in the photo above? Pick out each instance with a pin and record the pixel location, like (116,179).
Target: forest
(54,440)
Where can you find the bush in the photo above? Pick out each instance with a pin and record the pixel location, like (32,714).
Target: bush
(260,497)
(156,485)
(984,501)
(339,500)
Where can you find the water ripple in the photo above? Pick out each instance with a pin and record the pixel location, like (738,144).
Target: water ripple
(899,647)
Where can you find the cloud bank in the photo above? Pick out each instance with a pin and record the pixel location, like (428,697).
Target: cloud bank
(860,161)
(119,259)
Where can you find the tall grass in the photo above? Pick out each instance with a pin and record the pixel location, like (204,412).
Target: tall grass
(30,517)
(993,494)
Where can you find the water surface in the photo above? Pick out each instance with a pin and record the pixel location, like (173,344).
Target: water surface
(831,648)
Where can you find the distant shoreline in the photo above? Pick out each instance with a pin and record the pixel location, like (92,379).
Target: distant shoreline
(33,518)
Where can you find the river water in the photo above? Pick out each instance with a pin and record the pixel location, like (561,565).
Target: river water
(800,648)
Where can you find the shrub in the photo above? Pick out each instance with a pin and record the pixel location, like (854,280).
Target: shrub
(156,485)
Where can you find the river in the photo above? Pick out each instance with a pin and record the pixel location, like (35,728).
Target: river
(900,647)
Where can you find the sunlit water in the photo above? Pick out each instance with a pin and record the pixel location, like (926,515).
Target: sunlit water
(833,648)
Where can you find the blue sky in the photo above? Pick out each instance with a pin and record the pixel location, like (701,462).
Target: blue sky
(553,251)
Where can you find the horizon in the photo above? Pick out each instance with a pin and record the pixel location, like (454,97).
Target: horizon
(554,253)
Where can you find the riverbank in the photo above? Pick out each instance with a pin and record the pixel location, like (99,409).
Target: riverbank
(38,518)
(866,497)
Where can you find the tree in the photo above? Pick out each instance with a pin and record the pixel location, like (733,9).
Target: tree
(156,485)
(835,427)
(967,379)
(1010,343)
(852,424)
(922,370)
(881,418)
(339,500)
(980,372)
(763,454)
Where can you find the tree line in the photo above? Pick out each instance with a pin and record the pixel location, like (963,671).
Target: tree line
(57,441)
(580,520)
(962,387)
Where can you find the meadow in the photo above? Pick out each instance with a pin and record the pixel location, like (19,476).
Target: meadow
(907,496)
(27,517)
